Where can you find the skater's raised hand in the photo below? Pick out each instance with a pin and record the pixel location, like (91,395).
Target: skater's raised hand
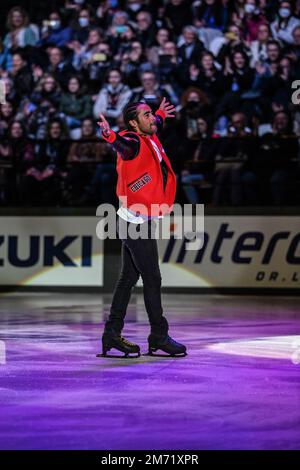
(104,126)
(167,108)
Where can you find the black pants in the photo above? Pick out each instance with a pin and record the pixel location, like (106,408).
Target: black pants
(139,257)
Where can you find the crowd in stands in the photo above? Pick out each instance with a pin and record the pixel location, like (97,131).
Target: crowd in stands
(229,67)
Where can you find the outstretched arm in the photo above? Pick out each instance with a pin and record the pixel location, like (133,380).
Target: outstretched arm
(128,147)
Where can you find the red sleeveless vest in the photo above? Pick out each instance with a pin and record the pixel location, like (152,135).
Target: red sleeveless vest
(140,181)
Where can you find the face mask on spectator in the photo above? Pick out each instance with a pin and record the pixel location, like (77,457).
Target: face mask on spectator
(284,12)
(55,24)
(84,22)
(249,8)
(134,6)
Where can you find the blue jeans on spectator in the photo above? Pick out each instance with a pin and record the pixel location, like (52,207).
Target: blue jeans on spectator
(190,190)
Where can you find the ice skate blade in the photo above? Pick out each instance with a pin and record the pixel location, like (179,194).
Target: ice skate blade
(150,353)
(125,356)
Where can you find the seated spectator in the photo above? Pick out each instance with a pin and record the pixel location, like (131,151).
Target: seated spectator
(150,92)
(199,168)
(93,58)
(82,157)
(239,78)
(37,121)
(194,103)
(207,77)
(21,76)
(59,67)
(258,48)
(189,46)
(211,14)
(178,14)
(157,48)
(277,88)
(274,165)
(21,32)
(54,33)
(84,53)
(41,182)
(118,27)
(46,89)
(133,64)
(133,7)
(16,153)
(146,29)
(112,97)
(84,22)
(293,50)
(234,183)
(76,105)
(169,71)
(122,43)
(7,113)
(226,46)
(284,24)
(253,19)
(10,92)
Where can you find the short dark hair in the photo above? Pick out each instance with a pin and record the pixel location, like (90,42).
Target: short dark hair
(130,112)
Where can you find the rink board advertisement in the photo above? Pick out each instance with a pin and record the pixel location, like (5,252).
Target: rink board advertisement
(238,252)
(50,251)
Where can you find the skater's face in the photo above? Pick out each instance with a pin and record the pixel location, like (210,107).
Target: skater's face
(146,121)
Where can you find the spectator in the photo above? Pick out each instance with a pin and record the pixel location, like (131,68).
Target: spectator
(258,48)
(6,116)
(189,47)
(38,120)
(21,76)
(47,89)
(277,88)
(59,67)
(76,105)
(84,22)
(134,7)
(150,92)
(207,77)
(283,26)
(200,167)
(161,38)
(211,14)
(145,31)
(112,97)
(82,158)
(169,71)
(15,153)
(21,33)
(274,164)
(178,14)
(54,33)
(233,182)
(133,64)
(41,182)
(253,19)
(224,48)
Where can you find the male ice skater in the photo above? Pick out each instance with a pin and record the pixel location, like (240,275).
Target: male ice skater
(145,177)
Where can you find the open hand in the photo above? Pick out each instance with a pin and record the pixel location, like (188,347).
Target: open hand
(167,108)
(104,126)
